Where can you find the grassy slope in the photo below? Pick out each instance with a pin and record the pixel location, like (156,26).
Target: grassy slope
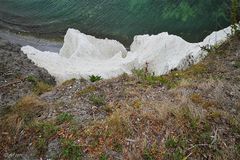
(192,114)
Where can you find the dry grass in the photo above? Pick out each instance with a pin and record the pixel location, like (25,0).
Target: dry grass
(42,87)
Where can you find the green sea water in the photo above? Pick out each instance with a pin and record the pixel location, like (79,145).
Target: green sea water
(118,19)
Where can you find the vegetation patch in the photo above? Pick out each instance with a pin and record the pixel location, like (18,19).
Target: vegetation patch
(95,78)
(40,87)
(86,90)
(97,100)
(64,117)
(69,82)
(70,150)
(44,131)
(150,79)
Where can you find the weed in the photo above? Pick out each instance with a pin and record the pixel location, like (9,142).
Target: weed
(70,150)
(94,78)
(64,117)
(97,100)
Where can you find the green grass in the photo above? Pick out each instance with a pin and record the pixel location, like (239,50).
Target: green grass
(97,100)
(70,150)
(32,79)
(151,79)
(44,132)
(64,117)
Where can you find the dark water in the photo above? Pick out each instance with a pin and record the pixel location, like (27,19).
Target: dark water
(119,19)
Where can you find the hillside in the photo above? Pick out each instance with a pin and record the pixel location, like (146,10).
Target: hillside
(191,114)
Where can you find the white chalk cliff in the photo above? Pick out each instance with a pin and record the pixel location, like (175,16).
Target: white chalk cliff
(84,55)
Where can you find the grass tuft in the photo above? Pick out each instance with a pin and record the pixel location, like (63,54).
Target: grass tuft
(64,117)
(97,100)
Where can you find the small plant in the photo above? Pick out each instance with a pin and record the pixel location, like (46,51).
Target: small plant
(32,79)
(64,117)
(71,150)
(150,79)
(97,100)
(94,78)
(42,87)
